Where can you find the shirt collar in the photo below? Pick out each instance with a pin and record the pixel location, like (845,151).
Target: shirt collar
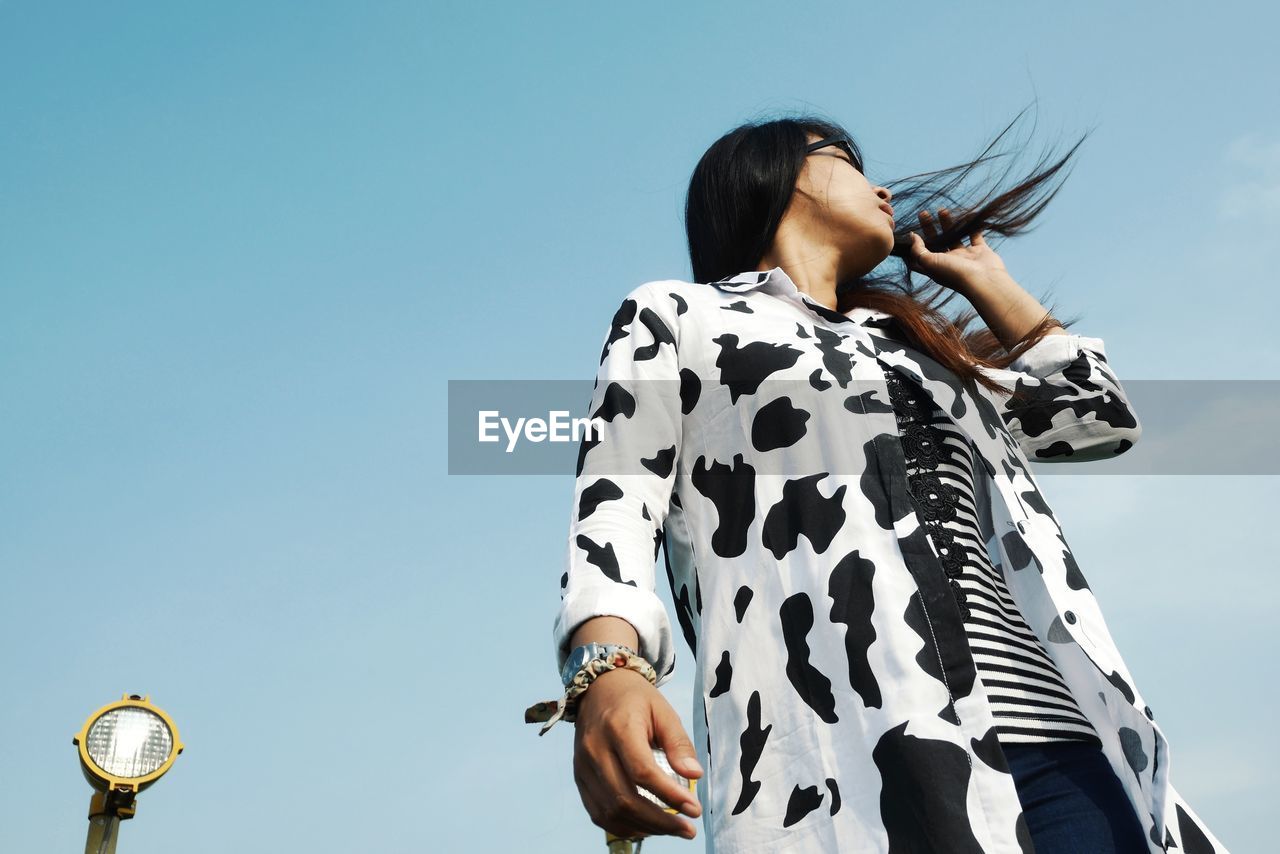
(777,282)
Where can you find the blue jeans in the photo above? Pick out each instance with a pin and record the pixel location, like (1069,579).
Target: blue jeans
(1072,799)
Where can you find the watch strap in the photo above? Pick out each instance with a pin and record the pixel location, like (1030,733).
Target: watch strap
(594,650)
(565,708)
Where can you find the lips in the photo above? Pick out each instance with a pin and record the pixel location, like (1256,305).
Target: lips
(887,208)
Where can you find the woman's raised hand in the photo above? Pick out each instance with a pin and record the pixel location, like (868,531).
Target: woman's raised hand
(957,266)
(618,719)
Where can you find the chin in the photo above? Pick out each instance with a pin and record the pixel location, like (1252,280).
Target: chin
(872,249)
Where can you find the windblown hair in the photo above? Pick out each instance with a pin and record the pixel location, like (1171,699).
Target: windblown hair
(744,182)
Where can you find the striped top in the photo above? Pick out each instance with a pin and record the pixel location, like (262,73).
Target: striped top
(1029,700)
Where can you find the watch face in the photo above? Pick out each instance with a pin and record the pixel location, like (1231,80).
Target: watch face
(576,659)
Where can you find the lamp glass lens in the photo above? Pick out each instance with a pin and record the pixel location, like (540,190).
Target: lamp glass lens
(129,742)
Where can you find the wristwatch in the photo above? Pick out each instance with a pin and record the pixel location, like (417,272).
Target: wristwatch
(582,654)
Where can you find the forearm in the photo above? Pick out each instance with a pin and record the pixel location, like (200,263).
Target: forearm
(605,630)
(1006,308)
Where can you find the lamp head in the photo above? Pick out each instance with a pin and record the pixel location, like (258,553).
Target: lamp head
(127,745)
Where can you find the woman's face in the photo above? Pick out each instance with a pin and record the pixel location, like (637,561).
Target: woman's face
(847,209)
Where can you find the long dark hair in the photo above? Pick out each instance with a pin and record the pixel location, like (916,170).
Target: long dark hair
(744,182)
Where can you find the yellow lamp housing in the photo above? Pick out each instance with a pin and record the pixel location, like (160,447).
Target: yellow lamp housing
(127,745)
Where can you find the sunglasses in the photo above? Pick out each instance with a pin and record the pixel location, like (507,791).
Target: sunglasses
(843,144)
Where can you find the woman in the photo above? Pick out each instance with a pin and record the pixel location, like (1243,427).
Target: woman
(895,649)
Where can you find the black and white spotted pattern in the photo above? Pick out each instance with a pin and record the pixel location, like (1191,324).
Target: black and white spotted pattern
(749,431)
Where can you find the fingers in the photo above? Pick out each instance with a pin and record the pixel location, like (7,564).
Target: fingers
(948,222)
(589,774)
(613,757)
(674,741)
(930,227)
(640,766)
(613,803)
(918,249)
(642,770)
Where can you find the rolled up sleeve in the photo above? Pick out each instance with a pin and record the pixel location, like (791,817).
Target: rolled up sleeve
(1070,406)
(625,476)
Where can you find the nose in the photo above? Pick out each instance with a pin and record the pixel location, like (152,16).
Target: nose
(884,193)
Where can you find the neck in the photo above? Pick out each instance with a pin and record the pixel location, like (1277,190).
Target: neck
(813,267)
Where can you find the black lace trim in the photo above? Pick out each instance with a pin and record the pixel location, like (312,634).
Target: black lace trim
(936,501)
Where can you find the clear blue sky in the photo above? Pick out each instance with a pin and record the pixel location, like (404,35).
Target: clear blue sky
(243,247)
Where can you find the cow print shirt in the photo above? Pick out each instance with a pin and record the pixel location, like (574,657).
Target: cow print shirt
(746,429)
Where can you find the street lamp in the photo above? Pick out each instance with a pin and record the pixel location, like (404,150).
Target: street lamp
(124,747)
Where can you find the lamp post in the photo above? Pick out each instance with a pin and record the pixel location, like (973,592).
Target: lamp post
(124,747)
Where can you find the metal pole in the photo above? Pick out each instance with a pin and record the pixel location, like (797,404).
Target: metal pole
(106,811)
(104,830)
